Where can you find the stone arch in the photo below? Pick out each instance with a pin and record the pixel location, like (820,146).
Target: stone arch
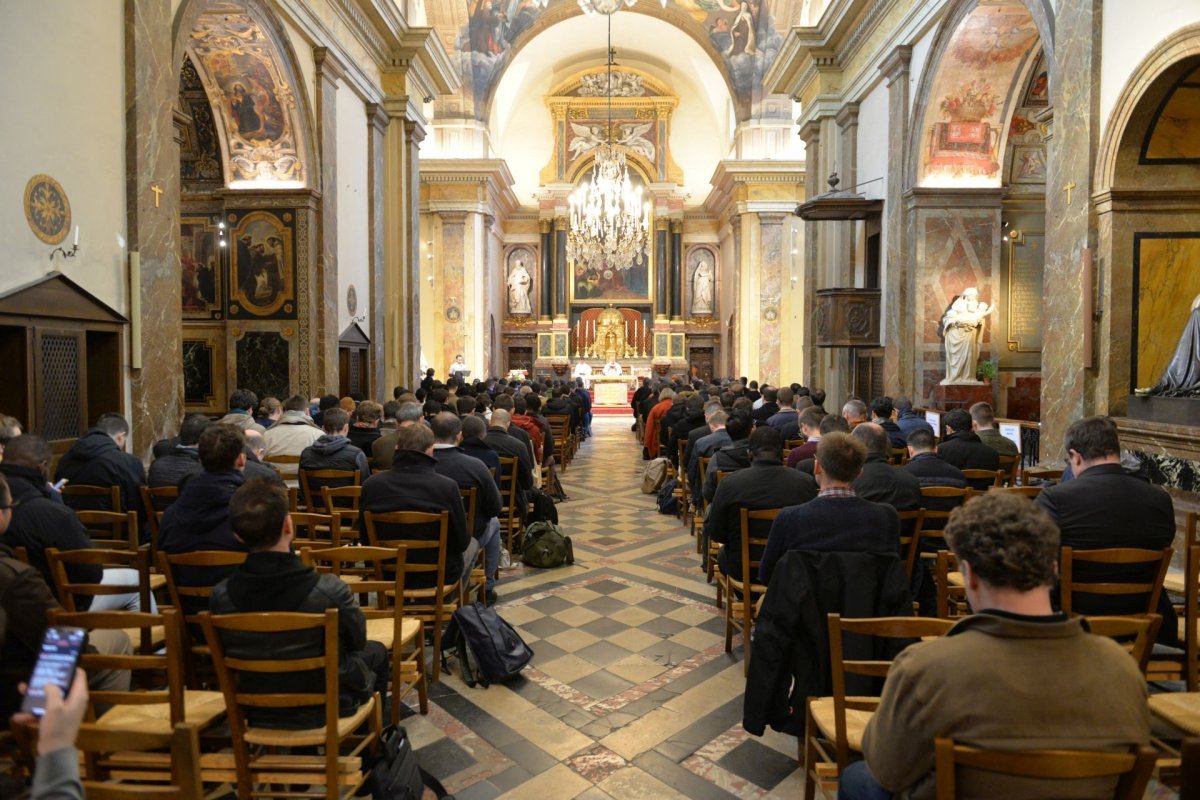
(238,43)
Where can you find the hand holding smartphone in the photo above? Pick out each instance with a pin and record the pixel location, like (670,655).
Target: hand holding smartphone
(61,648)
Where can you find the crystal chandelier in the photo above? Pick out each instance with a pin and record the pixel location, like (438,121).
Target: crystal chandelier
(608,7)
(608,218)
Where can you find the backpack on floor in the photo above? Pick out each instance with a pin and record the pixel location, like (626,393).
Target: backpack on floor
(668,503)
(488,649)
(395,773)
(542,508)
(544,545)
(654,475)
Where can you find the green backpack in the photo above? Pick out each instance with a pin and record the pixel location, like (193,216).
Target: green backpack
(545,546)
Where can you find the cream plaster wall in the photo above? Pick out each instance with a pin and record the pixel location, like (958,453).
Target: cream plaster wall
(352,207)
(873,153)
(1131,30)
(63,84)
(916,64)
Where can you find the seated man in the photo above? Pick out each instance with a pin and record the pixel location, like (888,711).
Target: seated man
(1104,506)
(908,420)
(731,457)
(787,419)
(39,521)
(365,429)
(474,429)
(963,449)
(293,432)
(830,423)
(500,438)
(242,404)
(273,578)
(654,416)
(334,451)
(256,448)
(880,482)
(1074,690)
(766,484)
(384,448)
(837,520)
(98,458)
(470,473)
(854,412)
(182,460)
(412,484)
(881,415)
(983,422)
(810,424)
(926,464)
(703,442)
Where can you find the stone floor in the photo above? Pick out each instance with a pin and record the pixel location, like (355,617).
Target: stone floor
(630,693)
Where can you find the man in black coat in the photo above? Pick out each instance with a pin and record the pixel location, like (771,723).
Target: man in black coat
(836,520)
(693,420)
(470,473)
(585,406)
(767,483)
(274,579)
(731,457)
(501,440)
(787,419)
(962,447)
(690,454)
(927,466)
(881,415)
(769,407)
(473,430)
(184,458)
(333,450)
(412,484)
(879,481)
(98,458)
(1104,506)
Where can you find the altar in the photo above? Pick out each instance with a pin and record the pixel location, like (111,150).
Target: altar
(610,390)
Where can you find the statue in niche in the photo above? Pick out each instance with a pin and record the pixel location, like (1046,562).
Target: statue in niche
(702,288)
(962,328)
(1182,376)
(519,284)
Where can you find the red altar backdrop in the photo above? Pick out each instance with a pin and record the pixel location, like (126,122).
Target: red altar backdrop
(637,332)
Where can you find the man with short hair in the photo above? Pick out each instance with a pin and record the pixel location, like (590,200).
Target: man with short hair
(962,448)
(787,419)
(854,412)
(184,458)
(334,451)
(293,432)
(810,421)
(256,448)
(390,409)
(1077,691)
(767,483)
(474,429)
(709,443)
(365,429)
(384,448)
(818,399)
(908,420)
(324,403)
(413,484)
(881,415)
(830,423)
(499,437)
(731,457)
(983,422)
(274,579)
(98,458)
(507,402)
(693,419)
(927,466)
(768,408)
(470,473)
(241,411)
(880,482)
(837,520)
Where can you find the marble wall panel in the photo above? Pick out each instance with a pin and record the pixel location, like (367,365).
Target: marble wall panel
(262,364)
(453,289)
(770,291)
(1167,275)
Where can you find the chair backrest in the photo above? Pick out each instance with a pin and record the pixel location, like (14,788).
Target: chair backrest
(910,523)
(469,502)
(397,522)
(703,463)
(899,456)
(508,487)
(880,627)
(722,474)
(156,500)
(185,594)
(1191,610)
(341,498)
(111,530)
(981,479)
(312,481)
(1143,629)
(1156,563)
(287,466)
(1132,769)
(375,583)
(92,497)
(149,664)
(1026,491)
(67,589)
(1050,476)
(96,742)
(938,502)
(1008,465)
(753,545)
(315,530)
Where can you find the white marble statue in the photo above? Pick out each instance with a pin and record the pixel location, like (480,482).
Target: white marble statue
(519,284)
(962,327)
(702,288)
(612,369)
(583,370)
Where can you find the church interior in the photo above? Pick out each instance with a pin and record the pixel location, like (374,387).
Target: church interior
(953,202)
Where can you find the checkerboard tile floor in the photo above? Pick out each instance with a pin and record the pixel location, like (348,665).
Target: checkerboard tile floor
(630,692)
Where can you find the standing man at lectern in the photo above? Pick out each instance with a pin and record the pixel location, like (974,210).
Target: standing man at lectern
(459,366)
(612,369)
(583,371)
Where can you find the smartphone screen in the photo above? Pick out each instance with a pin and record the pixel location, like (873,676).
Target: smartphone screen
(61,647)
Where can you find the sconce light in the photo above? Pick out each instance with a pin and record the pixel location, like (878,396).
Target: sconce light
(221,241)
(67,253)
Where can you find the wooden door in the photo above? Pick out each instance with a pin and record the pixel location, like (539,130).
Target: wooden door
(703,362)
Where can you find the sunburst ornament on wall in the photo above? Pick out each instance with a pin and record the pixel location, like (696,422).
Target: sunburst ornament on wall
(47,209)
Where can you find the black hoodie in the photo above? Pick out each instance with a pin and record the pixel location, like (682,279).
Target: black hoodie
(730,458)
(95,460)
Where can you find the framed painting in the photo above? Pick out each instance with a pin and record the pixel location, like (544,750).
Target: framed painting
(262,276)
(605,285)
(545,345)
(201,264)
(1029,164)
(662,345)
(677,345)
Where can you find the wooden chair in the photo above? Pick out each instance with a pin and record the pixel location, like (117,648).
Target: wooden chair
(386,622)
(742,592)
(1027,491)
(191,598)
(951,592)
(834,725)
(340,775)
(899,456)
(84,495)
(943,499)
(982,479)
(910,524)
(156,710)
(288,467)
(701,503)
(478,575)
(156,500)
(790,445)
(345,499)
(180,781)
(510,519)
(69,590)
(682,490)
(315,530)
(433,605)
(1009,465)
(1043,474)
(1189,619)
(710,558)
(1070,585)
(1143,629)
(1132,769)
(314,493)
(111,530)
(560,424)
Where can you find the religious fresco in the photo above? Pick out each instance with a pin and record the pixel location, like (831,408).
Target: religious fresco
(262,275)
(200,167)
(1174,136)
(201,272)
(1166,275)
(964,129)
(253,97)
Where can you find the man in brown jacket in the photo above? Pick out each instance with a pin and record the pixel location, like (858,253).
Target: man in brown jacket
(1013,676)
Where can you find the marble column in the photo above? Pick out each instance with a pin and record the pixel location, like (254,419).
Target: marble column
(662,284)
(414,134)
(897,279)
(152,162)
(324,298)
(450,289)
(1075,93)
(546,288)
(377,122)
(847,166)
(736,363)
(770,292)
(560,269)
(676,273)
(813,358)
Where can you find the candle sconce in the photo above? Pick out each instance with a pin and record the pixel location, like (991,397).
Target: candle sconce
(66,253)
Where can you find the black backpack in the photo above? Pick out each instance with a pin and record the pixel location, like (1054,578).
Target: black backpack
(487,648)
(542,508)
(394,774)
(668,503)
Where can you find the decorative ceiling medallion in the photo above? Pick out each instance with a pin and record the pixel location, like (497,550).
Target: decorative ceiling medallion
(47,209)
(351,300)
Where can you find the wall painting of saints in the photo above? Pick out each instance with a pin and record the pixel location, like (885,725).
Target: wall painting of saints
(262,280)
(201,268)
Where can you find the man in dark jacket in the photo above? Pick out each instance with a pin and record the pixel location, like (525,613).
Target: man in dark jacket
(473,430)
(787,419)
(927,466)
(813,424)
(836,520)
(184,459)
(98,458)
(983,422)
(879,481)
(499,437)
(585,406)
(963,448)
(908,420)
(365,429)
(691,454)
(256,469)
(412,484)
(769,407)
(766,484)
(731,457)
(334,451)
(693,420)
(275,579)
(560,405)
(40,521)
(470,473)
(881,415)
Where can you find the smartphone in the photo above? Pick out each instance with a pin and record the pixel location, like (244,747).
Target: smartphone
(61,647)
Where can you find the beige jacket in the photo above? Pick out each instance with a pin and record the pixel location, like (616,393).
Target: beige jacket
(1005,682)
(290,435)
(244,421)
